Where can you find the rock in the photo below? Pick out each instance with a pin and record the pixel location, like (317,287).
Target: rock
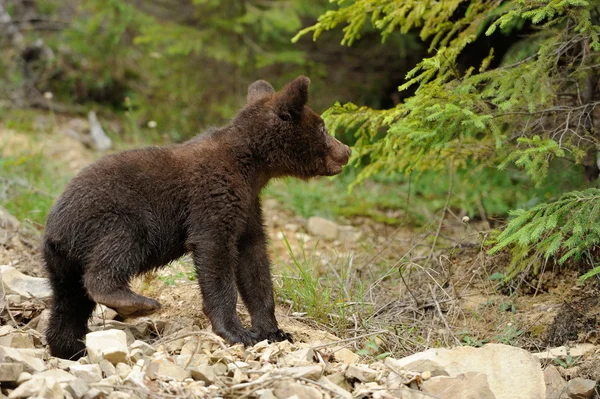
(323,228)
(265,394)
(136,378)
(99,138)
(203,373)
(28,287)
(185,361)
(55,375)
(10,372)
(300,357)
(17,340)
(289,389)
(146,349)
(555,384)
(23,356)
(14,299)
(110,345)
(90,373)
(345,356)
(43,320)
(580,388)
(506,367)
(122,370)
(27,389)
(562,352)
(164,368)
(23,377)
(94,393)
(471,385)
(339,391)
(417,367)
(361,373)
(310,372)
(102,312)
(77,388)
(108,369)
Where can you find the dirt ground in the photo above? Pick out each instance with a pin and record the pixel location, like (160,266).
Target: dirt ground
(453,301)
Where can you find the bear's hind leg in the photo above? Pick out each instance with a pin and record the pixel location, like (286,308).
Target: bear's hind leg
(107,277)
(71,306)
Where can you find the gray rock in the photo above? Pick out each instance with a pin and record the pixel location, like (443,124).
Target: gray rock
(122,370)
(10,372)
(287,389)
(580,388)
(562,352)
(102,312)
(360,372)
(203,373)
(323,228)
(506,367)
(43,320)
(23,356)
(77,388)
(136,378)
(90,373)
(339,391)
(23,377)
(55,375)
(17,340)
(166,369)
(555,384)
(346,356)
(110,345)
(28,389)
(310,372)
(108,369)
(145,348)
(28,287)
(470,385)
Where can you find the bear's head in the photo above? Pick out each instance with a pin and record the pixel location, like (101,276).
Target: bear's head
(289,137)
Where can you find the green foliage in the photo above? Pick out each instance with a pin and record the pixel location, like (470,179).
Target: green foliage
(525,109)
(568,228)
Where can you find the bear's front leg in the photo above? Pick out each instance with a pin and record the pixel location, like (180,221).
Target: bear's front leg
(214,262)
(253,276)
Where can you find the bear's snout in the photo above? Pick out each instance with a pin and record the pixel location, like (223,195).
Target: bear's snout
(337,156)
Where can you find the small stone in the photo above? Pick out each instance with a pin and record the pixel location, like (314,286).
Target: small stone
(289,389)
(43,320)
(555,383)
(122,370)
(110,345)
(77,388)
(102,312)
(185,361)
(14,299)
(301,357)
(580,388)
(23,377)
(146,349)
(136,378)
(468,385)
(310,372)
(361,373)
(107,368)
(28,287)
(10,372)
(322,228)
(339,391)
(90,373)
(65,364)
(265,394)
(23,356)
(164,368)
(203,373)
(346,356)
(93,393)
(29,389)
(55,375)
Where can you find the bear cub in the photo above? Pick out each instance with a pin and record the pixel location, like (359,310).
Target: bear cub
(136,211)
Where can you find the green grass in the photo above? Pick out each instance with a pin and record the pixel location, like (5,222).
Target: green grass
(328,294)
(29,184)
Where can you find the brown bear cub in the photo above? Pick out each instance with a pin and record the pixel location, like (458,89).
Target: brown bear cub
(137,210)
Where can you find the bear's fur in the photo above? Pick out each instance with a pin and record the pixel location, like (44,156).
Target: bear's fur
(137,210)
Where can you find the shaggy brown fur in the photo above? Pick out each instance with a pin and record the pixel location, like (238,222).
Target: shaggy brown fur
(137,210)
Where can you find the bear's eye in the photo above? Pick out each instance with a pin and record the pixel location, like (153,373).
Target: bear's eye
(285,116)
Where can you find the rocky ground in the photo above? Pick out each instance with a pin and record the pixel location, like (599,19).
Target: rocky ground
(554,353)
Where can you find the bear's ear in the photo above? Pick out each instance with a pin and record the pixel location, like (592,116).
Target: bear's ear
(293,97)
(257,90)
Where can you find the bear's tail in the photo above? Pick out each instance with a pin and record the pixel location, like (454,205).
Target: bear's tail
(71,305)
